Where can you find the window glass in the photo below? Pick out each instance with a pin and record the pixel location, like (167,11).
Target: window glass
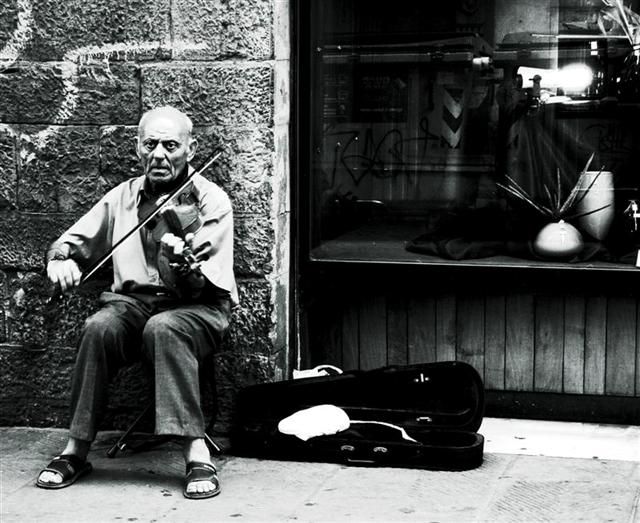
(478,131)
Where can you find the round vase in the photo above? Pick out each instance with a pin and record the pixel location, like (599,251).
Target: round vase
(598,223)
(558,240)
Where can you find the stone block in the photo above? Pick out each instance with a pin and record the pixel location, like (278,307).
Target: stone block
(8,22)
(250,329)
(34,322)
(235,371)
(8,173)
(281,314)
(226,28)
(118,158)
(107,94)
(67,93)
(244,170)
(282,171)
(31,93)
(253,245)
(246,152)
(78,27)
(25,250)
(35,386)
(282,29)
(221,94)
(282,251)
(64,175)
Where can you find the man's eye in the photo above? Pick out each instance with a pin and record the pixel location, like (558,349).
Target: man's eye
(171,146)
(150,145)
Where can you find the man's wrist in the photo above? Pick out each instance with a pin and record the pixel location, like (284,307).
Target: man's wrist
(56,254)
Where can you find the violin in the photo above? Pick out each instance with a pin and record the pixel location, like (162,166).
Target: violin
(183,220)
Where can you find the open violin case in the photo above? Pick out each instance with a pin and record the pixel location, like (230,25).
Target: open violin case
(439,406)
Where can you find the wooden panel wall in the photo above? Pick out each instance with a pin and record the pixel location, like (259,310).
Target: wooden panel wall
(517,342)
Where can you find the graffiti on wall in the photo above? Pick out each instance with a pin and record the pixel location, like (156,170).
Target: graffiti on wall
(70,66)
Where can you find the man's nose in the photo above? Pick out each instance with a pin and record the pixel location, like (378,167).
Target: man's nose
(159,152)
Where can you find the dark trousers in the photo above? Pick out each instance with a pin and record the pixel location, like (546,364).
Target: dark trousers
(171,337)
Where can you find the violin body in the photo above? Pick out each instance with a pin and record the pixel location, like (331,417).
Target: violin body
(179,220)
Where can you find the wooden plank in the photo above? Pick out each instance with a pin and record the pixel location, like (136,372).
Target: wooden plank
(549,343)
(373,332)
(595,345)
(621,347)
(326,335)
(421,320)
(446,327)
(304,346)
(519,346)
(350,336)
(470,331)
(397,330)
(494,342)
(574,328)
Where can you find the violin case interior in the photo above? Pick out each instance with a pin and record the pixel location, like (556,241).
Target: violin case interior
(439,405)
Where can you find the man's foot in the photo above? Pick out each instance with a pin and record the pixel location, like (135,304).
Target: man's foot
(201,479)
(63,472)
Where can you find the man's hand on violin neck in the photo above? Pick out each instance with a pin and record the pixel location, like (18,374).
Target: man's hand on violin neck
(64,273)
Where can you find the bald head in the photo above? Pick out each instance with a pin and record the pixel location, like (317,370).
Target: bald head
(169,113)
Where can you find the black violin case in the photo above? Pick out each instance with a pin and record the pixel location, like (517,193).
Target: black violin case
(438,404)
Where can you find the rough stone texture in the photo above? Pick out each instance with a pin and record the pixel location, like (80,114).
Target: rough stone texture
(34,322)
(8,174)
(107,94)
(235,370)
(57,92)
(31,93)
(35,386)
(69,103)
(228,93)
(64,27)
(118,158)
(63,177)
(245,169)
(251,319)
(25,251)
(8,22)
(253,243)
(233,28)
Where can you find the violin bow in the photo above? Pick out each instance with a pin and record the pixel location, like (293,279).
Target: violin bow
(103,259)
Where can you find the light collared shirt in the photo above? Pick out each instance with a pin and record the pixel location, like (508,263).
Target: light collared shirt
(117,213)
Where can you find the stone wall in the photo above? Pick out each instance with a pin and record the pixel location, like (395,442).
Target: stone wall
(74,79)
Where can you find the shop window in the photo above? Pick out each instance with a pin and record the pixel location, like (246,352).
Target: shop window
(470,132)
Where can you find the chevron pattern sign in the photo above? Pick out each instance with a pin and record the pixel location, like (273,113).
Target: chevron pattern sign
(452,115)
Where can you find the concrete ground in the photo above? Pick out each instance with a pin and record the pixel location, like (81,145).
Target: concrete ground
(533,471)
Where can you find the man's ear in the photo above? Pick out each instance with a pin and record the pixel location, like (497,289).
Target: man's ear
(193,146)
(138,148)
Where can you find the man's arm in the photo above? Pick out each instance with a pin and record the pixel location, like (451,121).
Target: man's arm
(82,243)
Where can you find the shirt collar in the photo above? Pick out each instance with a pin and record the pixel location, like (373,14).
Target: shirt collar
(143,194)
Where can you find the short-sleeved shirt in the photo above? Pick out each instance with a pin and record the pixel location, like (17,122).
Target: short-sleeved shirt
(134,264)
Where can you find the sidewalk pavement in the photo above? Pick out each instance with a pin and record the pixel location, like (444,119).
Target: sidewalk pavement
(596,477)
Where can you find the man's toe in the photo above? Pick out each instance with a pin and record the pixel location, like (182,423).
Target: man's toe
(50,477)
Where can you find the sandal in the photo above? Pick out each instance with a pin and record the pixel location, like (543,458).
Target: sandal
(69,467)
(198,471)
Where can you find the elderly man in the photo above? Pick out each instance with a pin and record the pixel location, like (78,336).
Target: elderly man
(161,309)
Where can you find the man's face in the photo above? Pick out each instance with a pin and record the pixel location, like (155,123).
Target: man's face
(164,148)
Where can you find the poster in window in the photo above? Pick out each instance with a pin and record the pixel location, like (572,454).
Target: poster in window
(381,94)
